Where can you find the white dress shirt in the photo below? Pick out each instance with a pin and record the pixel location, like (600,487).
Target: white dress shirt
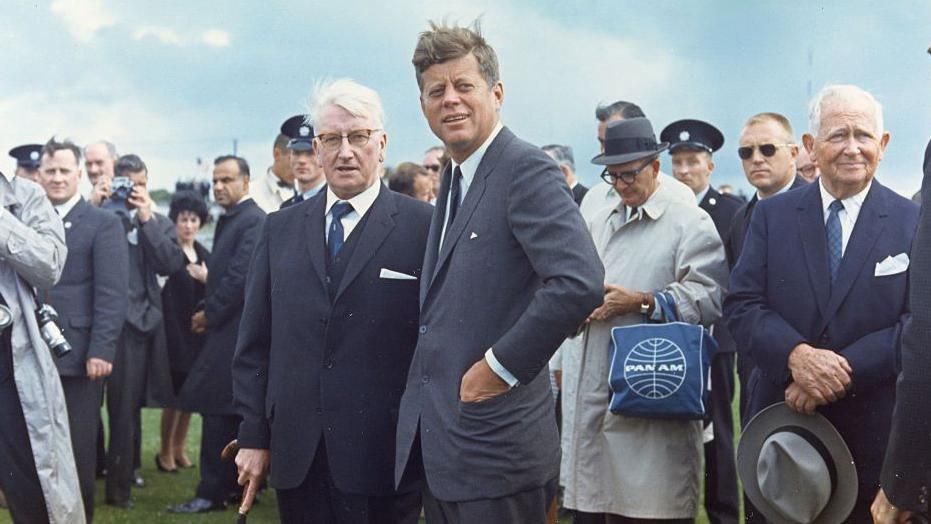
(64,209)
(848,216)
(360,206)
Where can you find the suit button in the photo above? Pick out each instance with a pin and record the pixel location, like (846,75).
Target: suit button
(422,330)
(924,490)
(329,364)
(922,500)
(426,379)
(319,411)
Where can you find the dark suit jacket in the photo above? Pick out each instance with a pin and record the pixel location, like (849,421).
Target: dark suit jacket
(578,193)
(155,252)
(307,367)
(180,296)
(517,272)
(734,241)
(721,208)
(781,295)
(209,386)
(91,296)
(907,469)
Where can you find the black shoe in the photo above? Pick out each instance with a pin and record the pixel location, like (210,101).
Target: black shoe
(163,469)
(196,505)
(138,482)
(124,504)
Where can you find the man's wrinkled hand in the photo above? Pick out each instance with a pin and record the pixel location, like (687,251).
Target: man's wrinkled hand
(799,400)
(98,368)
(617,301)
(480,383)
(822,373)
(252,465)
(142,202)
(199,323)
(102,190)
(885,513)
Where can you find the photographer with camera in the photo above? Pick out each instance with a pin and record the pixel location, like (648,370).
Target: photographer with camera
(90,299)
(141,373)
(37,468)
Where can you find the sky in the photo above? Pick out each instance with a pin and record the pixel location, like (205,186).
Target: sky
(175,81)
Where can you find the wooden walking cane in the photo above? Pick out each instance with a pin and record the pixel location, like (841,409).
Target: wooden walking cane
(248,492)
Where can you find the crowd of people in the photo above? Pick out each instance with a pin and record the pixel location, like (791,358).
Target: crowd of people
(436,339)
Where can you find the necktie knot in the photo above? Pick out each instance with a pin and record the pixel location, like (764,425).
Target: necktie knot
(836,206)
(340,209)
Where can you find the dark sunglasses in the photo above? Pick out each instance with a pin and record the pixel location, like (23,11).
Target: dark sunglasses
(625,176)
(434,167)
(766,150)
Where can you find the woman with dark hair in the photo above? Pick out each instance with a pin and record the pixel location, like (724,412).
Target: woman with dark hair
(182,295)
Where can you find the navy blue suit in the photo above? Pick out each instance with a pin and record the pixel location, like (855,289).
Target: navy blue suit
(781,295)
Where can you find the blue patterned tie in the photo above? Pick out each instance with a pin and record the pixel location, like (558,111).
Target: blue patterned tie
(336,237)
(834,237)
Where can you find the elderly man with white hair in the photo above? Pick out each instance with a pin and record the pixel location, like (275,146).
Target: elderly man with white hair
(329,329)
(823,333)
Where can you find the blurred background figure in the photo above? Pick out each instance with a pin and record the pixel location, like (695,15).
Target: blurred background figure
(99,161)
(563,157)
(412,180)
(434,160)
(804,167)
(182,295)
(28,157)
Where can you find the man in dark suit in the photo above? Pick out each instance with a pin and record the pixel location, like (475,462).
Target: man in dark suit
(819,292)
(509,272)
(140,369)
(692,144)
(90,299)
(326,343)
(905,478)
(564,158)
(208,389)
(768,155)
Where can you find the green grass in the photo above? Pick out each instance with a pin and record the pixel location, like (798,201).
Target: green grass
(164,489)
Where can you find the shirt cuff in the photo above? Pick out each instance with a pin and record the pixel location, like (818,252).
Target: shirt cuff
(499,370)
(657,314)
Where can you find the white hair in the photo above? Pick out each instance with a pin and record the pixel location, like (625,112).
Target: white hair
(355,98)
(842,92)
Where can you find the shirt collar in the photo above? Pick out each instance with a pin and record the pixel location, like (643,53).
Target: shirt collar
(470,165)
(313,191)
(701,196)
(783,190)
(852,204)
(360,203)
(64,209)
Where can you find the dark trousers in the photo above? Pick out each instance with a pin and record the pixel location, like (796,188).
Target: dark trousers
(125,391)
(83,398)
(217,477)
(584,517)
(19,480)
(528,507)
(722,497)
(318,499)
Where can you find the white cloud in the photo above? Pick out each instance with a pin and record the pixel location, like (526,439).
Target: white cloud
(162,34)
(216,38)
(83,17)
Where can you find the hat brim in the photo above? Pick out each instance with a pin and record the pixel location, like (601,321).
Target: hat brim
(300,145)
(776,417)
(605,160)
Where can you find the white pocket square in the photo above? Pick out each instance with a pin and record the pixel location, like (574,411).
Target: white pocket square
(473,235)
(892,265)
(395,275)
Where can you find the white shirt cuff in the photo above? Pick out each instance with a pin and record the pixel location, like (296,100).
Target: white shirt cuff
(499,370)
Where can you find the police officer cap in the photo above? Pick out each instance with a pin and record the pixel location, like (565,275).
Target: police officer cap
(692,134)
(300,132)
(27,156)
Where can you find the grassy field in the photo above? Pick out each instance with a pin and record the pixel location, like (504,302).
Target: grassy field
(164,489)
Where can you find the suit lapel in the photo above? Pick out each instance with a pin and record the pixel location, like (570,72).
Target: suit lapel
(433,237)
(74,216)
(373,233)
(814,244)
(314,224)
(472,198)
(868,228)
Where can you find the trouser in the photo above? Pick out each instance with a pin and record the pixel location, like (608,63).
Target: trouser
(722,497)
(83,398)
(318,499)
(526,507)
(125,392)
(19,480)
(217,477)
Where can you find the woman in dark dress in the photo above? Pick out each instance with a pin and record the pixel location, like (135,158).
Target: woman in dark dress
(182,295)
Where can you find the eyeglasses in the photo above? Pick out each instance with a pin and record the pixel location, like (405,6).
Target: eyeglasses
(766,150)
(357,138)
(807,170)
(626,176)
(433,167)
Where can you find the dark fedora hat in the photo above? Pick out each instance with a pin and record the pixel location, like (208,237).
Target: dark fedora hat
(796,468)
(629,140)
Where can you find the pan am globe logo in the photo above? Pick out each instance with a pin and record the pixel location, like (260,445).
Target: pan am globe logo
(655,368)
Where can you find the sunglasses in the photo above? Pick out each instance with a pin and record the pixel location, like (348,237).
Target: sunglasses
(766,150)
(433,167)
(625,176)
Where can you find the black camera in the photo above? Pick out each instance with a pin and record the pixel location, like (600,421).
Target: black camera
(120,190)
(51,333)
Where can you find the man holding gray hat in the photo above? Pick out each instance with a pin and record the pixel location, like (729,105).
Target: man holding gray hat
(635,240)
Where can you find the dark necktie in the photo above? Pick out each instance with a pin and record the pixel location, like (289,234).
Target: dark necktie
(336,237)
(298,198)
(455,196)
(834,237)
